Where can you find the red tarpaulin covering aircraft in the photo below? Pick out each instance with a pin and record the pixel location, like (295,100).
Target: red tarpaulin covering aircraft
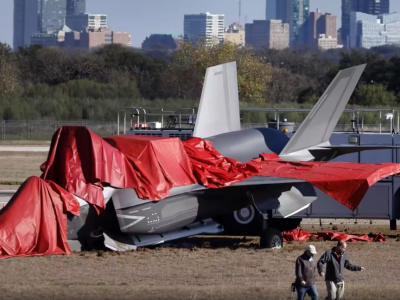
(161,189)
(80,163)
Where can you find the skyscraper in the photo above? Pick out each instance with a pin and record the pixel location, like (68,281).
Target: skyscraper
(320,24)
(367,30)
(270,9)
(372,7)
(296,13)
(312,27)
(82,21)
(272,34)
(25,22)
(76,7)
(52,15)
(204,26)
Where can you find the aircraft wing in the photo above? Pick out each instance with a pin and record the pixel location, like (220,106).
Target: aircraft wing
(290,202)
(332,151)
(346,149)
(259,180)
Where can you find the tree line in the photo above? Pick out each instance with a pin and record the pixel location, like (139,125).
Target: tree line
(70,84)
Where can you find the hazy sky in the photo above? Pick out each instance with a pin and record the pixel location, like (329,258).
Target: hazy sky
(142,17)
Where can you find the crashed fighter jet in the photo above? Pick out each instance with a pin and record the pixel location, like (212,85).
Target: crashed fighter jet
(222,169)
(192,209)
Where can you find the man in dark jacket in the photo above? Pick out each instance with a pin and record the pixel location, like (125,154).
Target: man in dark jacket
(336,261)
(306,268)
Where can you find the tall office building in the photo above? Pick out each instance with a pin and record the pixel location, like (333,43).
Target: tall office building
(295,13)
(318,25)
(25,22)
(204,26)
(270,9)
(82,21)
(328,25)
(347,7)
(76,7)
(372,7)
(52,15)
(271,34)
(311,27)
(368,30)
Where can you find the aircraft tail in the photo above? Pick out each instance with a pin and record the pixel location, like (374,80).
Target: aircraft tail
(219,104)
(318,126)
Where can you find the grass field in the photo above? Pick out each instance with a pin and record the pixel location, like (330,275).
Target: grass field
(219,268)
(16,167)
(214,272)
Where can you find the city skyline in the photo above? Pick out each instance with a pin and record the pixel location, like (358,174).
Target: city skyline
(169,18)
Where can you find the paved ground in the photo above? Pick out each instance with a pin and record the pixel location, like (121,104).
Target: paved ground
(24,148)
(5,197)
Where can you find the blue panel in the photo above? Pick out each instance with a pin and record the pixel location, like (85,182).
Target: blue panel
(376,156)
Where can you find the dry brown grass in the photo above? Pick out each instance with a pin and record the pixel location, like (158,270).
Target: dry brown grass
(213,273)
(16,167)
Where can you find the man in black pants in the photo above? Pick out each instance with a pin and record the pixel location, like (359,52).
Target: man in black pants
(305,274)
(336,260)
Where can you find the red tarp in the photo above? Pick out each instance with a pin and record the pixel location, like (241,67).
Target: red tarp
(302,236)
(346,182)
(79,161)
(34,222)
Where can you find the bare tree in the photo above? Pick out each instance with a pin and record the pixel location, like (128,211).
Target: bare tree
(285,86)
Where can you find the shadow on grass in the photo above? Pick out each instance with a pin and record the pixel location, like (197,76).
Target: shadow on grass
(213,242)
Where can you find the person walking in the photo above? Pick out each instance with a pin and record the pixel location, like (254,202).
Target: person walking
(306,268)
(336,261)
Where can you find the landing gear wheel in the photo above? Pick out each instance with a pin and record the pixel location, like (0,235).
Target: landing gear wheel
(97,239)
(245,215)
(244,221)
(272,238)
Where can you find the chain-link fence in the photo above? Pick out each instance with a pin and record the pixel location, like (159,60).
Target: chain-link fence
(42,130)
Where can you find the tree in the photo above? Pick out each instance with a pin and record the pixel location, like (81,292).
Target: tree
(374,94)
(9,72)
(287,87)
(253,73)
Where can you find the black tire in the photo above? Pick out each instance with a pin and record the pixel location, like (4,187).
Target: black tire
(272,238)
(235,224)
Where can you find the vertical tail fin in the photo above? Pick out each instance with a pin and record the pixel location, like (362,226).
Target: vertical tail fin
(219,104)
(317,128)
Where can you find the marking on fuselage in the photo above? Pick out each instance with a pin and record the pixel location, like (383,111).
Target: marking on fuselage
(136,218)
(147,208)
